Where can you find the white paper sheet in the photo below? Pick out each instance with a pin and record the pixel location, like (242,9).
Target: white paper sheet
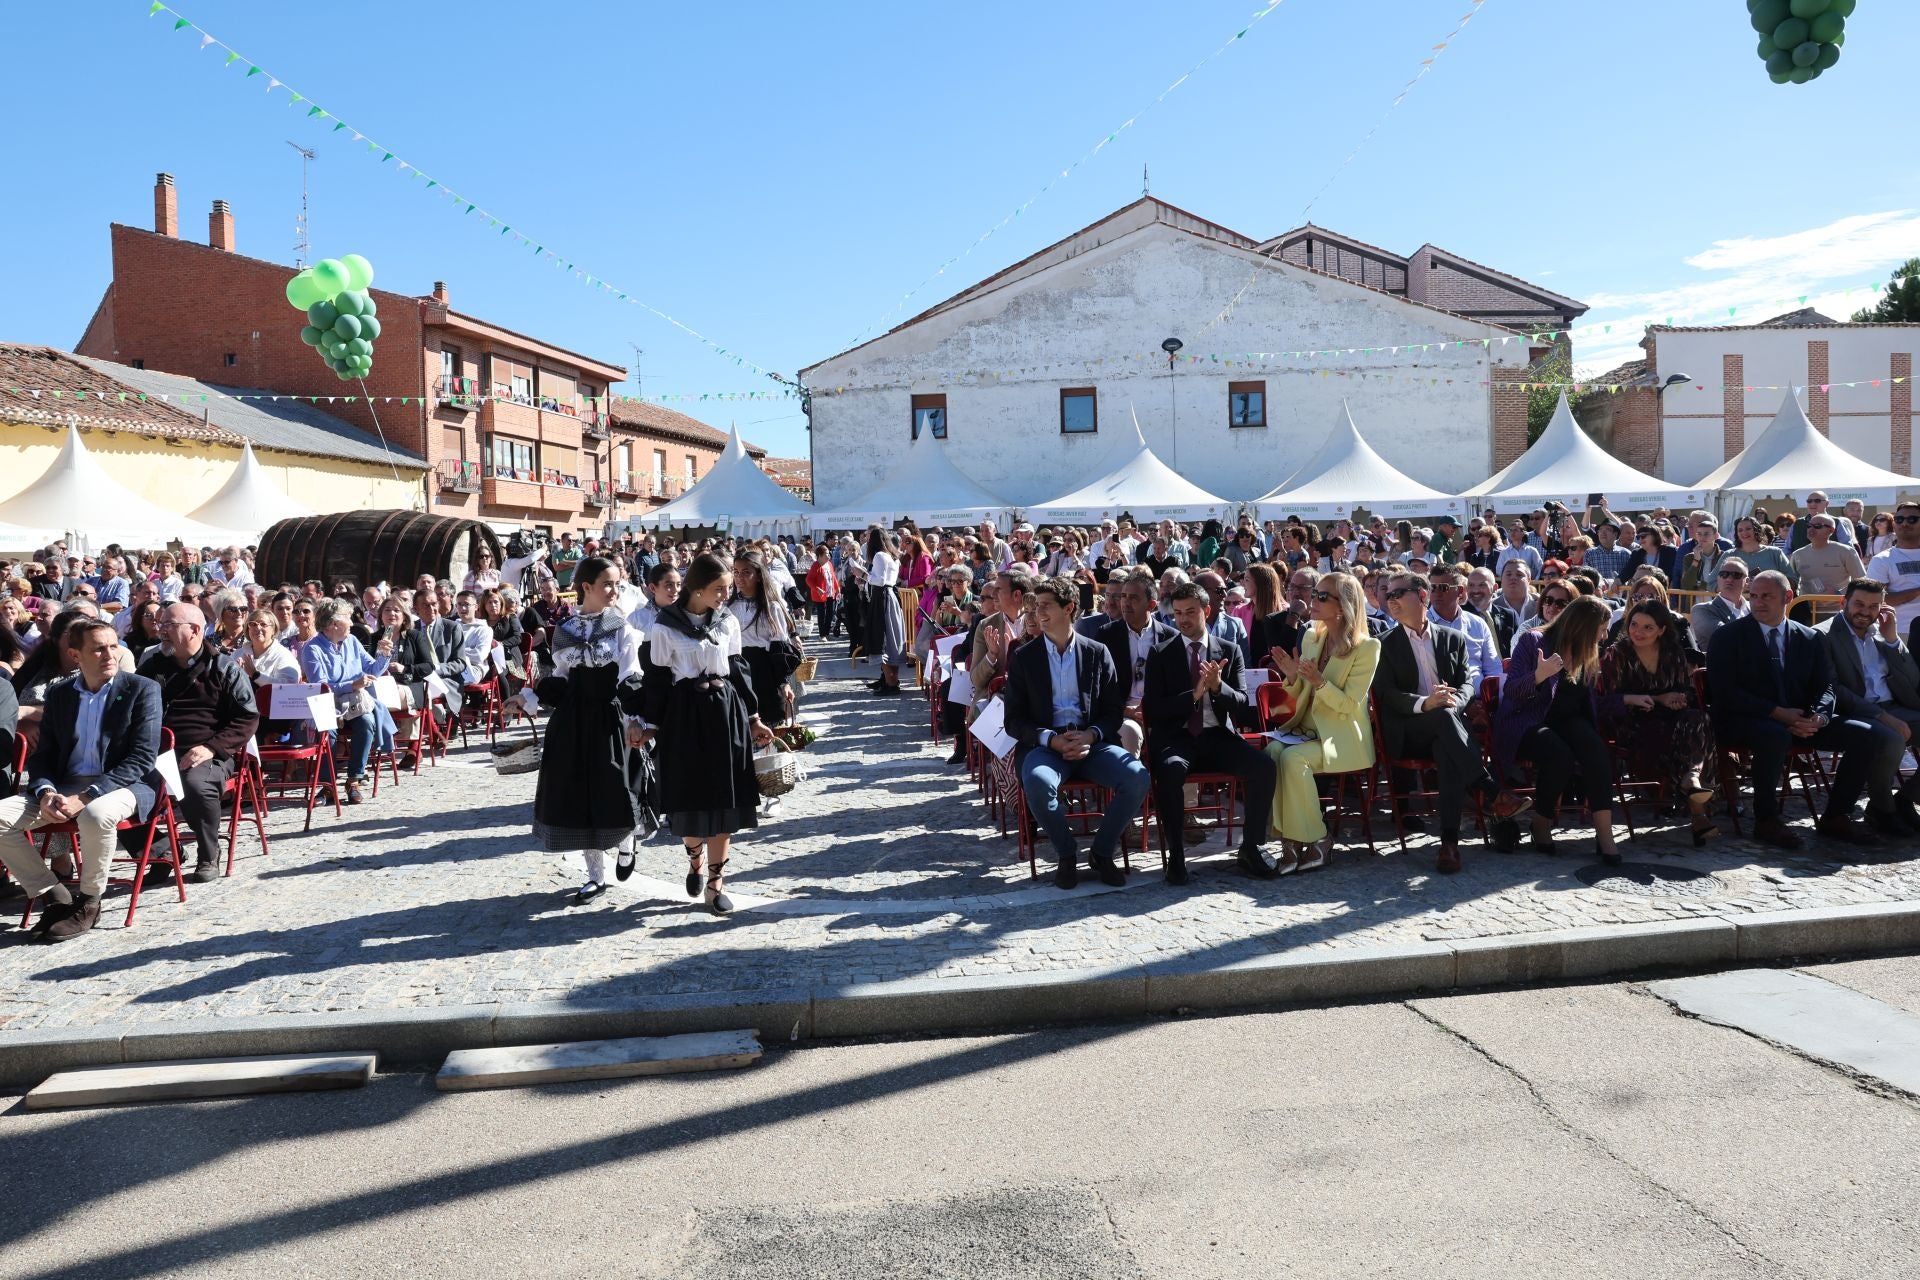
(387,690)
(288,701)
(989,728)
(498,657)
(1251,679)
(1288,739)
(961,690)
(945,645)
(169,766)
(320,710)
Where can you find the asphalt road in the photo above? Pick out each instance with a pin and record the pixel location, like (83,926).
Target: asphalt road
(1577,1131)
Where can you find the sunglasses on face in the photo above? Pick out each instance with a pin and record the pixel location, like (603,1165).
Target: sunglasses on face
(1906,519)
(1323,596)
(1732,573)
(1557,602)
(1397,592)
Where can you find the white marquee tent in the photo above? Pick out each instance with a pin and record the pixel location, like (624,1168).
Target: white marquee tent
(1346,473)
(924,487)
(1140,484)
(15,537)
(1791,457)
(75,495)
(248,504)
(736,496)
(1566,464)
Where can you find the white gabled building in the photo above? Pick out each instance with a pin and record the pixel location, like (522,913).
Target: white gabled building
(1030,375)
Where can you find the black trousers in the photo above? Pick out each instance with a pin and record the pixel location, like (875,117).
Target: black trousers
(1559,752)
(1213,751)
(200,806)
(1443,736)
(1856,741)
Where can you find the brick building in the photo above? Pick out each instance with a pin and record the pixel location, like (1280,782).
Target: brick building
(512,428)
(655,454)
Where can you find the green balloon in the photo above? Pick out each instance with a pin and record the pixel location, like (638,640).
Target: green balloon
(359,347)
(1827,26)
(1779,62)
(309,335)
(333,276)
(1806,53)
(1808,9)
(359,271)
(345,375)
(303,290)
(331,363)
(367,306)
(321,315)
(1766,48)
(1778,77)
(1838,40)
(349,303)
(1790,33)
(369,327)
(348,326)
(1842,7)
(1829,54)
(1800,75)
(1769,14)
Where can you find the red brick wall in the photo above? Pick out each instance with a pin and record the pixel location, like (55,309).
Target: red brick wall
(1509,415)
(1733,405)
(1636,428)
(1817,400)
(180,307)
(1901,403)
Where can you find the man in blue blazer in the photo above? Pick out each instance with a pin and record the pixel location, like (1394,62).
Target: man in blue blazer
(94,766)
(1064,702)
(1771,681)
(1131,638)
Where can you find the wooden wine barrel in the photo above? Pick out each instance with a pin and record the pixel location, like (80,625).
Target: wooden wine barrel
(364,547)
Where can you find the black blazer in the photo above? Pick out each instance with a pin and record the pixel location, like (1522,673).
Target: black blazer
(129,740)
(1167,703)
(1277,630)
(1119,642)
(1029,691)
(1396,682)
(1740,673)
(9,726)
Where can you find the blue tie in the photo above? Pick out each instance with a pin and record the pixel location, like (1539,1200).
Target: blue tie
(1779,661)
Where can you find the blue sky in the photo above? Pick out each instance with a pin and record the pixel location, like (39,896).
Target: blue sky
(778,176)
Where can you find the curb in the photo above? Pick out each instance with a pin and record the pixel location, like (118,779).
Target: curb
(420,1037)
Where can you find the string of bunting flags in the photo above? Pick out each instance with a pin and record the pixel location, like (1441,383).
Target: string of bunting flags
(594,403)
(319,115)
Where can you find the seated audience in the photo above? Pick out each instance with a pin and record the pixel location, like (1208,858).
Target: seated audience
(334,658)
(1825,565)
(1648,706)
(1876,680)
(1483,650)
(1131,639)
(1729,604)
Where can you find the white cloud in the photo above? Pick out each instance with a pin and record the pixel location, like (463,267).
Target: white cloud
(1826,267)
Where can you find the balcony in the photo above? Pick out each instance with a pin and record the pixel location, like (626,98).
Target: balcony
(456,393)
(598,494)
(630,486)
(510,417)
(595,425)
(458,477)
(533,491)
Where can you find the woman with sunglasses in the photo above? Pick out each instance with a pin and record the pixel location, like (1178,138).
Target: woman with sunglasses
(228,631)
(1880,537)
(1483,551)
(1646,699)
(143,632)
(483,576)
(1546,717)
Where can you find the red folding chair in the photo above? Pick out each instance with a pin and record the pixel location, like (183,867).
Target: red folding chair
(150,826)
(1418,767)
(246,789)
(1085,803)
(481,704)
(1802,764)
(310,757)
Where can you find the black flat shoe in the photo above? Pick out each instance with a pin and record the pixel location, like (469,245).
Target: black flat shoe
(623,865)
(1066,876)
(588,892)
(718,903)
(693,873)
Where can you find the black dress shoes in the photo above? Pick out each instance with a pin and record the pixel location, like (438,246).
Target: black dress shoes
(1254,861)
(1066,875)
(1177,869)
(1103,866)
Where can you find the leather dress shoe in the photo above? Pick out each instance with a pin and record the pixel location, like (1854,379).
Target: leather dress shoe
(1254,861)
(1103,866)
(51,914)
(1776,834)
(85,913)
(1449,862)
(1848,829)
(1887,823)
(1509,804)
(1066,875)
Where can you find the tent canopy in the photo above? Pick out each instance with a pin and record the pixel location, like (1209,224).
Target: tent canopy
(1565,465)
(248,504)
(925,487)
(76,496)
(1138,483)
(735,495)
(1791,457)
(1346,473)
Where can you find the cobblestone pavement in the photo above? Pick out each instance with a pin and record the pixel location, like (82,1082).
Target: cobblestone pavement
(882,865)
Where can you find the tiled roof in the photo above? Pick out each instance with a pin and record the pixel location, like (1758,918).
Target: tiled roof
(42,385)
(789,471)
(1771,324)
(286,424)
(1632,373)
(1803,318)
(640,415)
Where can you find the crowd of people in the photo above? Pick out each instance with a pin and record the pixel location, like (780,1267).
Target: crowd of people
(1534,665)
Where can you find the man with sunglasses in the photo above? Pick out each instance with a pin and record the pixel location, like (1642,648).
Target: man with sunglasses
(1421,691)
(1898,567)
(1483,652)
(1802,532)
(1730,603)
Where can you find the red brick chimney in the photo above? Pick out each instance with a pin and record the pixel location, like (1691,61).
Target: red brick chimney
(220,226)
(166,206)
(440,292)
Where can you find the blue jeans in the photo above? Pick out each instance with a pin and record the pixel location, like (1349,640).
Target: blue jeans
(1108,765)
(359,745)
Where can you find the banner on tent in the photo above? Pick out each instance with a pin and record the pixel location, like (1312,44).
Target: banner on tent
(1278,508)
(1644,500)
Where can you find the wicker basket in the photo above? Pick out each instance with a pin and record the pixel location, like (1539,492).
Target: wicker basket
(777,772)
(525,759)
(809,668)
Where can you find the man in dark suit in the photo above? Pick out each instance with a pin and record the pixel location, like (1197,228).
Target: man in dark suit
(93,766)
(1771,681)
(54,583)
(1875,679)
(1063,706)
(1192,697)
(1131,639)
(442,636)
(207,701)
(1422,689)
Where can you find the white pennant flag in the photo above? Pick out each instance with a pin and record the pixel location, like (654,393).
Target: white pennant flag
(205,41)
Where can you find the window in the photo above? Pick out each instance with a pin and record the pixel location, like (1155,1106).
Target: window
(449,363)
(232,360)
(510,459)
(1246,404)
(693,470)
(930,416)
(521,389)
(1079,411)
(659,469)
(139,364)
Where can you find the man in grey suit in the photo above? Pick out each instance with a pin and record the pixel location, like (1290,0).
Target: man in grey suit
(1876,679)
(1730,605)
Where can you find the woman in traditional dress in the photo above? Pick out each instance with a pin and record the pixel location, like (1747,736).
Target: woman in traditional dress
(699,698)
(766,635)
(886,627)
(591,795)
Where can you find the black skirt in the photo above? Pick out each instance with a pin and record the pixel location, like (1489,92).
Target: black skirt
(593,790)
(707,786)
(768,678)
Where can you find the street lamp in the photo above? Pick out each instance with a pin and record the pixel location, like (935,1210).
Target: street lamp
(1172,347)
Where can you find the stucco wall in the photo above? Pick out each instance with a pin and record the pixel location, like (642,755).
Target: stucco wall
(1082,324)
(181,477)
(1859,419)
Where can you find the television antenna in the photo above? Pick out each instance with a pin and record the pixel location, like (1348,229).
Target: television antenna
(302,248)
(639,379)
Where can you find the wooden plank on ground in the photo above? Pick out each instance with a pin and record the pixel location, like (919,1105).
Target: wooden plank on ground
(597,1059)
(201,1078)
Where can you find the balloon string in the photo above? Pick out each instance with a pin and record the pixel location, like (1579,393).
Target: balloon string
(383,438)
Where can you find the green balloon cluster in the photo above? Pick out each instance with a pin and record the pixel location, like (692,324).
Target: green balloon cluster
(1799,38)
(341,320)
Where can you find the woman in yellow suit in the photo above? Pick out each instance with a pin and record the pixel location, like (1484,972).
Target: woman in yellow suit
(1328,683)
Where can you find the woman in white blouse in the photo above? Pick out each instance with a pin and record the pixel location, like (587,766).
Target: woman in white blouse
(262,656)
(766,635)
(886,626)
(699,698)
